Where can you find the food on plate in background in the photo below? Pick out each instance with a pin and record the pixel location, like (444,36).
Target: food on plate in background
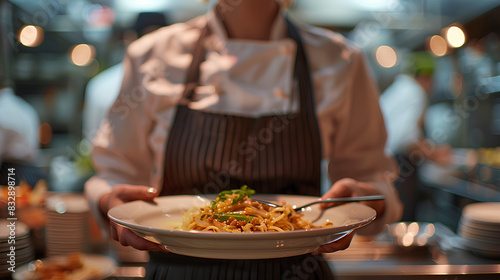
(28,202)
(74,266)
(235,211)
(25,194)
(58,270)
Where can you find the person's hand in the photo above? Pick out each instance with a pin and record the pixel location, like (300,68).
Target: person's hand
(339,245)
(119,195)
(347,188)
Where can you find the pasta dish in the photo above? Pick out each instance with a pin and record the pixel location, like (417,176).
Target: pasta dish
(235,211)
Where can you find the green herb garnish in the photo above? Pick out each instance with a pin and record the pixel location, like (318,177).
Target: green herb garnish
(224,195)
(239,217)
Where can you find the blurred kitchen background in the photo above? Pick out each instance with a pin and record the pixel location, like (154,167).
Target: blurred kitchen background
(52,48)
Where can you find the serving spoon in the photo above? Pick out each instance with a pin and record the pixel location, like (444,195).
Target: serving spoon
(328,200)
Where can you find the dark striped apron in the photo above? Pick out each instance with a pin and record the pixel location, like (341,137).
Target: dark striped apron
(208,152)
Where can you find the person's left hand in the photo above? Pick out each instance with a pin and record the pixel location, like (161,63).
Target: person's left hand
(339,245)
(347,188)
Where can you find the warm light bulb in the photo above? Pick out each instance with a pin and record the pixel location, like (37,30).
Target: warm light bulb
(438,46)
(31,36)
(82,55)
(455,37)
(386,56)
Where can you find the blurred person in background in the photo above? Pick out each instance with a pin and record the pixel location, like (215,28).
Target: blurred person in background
(19,144)
(103,89)
(222,78)
(19,121)
(403,105)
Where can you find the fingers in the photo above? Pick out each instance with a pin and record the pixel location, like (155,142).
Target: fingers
(112,230)
(349,188)
(126,237)
(130,193)
(341,188)
(338,245)
(125,193)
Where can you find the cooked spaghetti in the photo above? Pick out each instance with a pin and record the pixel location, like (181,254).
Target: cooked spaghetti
(235,211)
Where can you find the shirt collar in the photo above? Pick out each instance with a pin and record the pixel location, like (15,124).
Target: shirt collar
(278,30)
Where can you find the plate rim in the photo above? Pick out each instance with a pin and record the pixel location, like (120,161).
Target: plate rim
(469,213)
(237,236)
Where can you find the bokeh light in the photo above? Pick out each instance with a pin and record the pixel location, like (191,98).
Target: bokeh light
(430,229)
(455,36)
(386,56)
(438,46)
(407,239)
(44,133)
(82,55)
(31,35)
(413,229)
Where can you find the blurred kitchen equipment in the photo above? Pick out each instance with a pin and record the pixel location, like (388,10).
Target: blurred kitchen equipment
(480,228)
(67,223)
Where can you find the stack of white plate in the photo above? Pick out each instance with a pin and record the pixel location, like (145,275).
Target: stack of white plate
(20,239)
(67,224)
(480,228)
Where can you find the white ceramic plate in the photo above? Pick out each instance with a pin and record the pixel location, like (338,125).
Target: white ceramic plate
(70,203)
(484,213)
(158,222)
(22,230)
(94,267)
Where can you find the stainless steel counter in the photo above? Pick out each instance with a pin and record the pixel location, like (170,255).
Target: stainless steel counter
(380,258)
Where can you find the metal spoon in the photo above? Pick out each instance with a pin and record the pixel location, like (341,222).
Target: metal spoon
(328,200)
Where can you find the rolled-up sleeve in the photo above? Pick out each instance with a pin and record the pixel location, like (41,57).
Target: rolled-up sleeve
(355,137)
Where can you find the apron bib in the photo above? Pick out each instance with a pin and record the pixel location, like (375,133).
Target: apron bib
(208,152)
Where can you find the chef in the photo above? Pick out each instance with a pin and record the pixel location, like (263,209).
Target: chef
(242,95)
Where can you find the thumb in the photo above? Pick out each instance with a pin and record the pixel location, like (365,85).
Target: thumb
(341,188)
(130,193)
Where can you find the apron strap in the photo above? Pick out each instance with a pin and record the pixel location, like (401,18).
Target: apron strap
(301,70)
(193,72)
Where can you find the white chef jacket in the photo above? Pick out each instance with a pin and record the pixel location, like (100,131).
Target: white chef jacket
(249,78)
(403,105)
(18,129)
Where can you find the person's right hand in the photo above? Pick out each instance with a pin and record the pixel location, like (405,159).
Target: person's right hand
(119,195)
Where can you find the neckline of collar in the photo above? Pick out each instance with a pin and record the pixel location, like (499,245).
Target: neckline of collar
(278,29)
